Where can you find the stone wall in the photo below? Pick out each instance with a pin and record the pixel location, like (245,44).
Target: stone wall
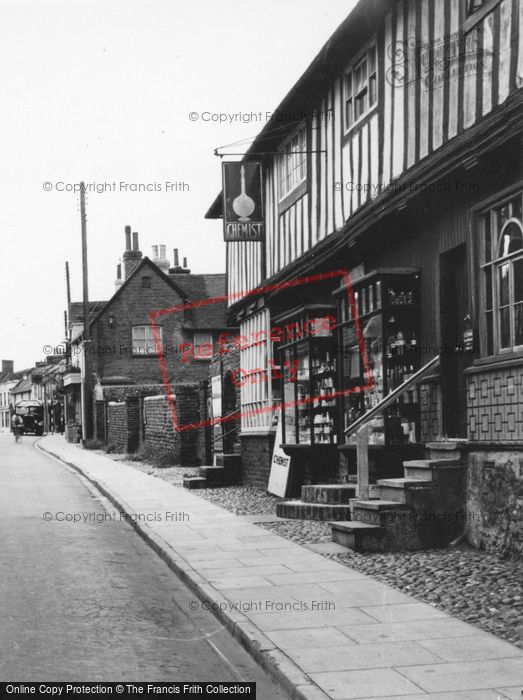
(117,425)
(144,417)
(158,428)
(495,502)
(188,412)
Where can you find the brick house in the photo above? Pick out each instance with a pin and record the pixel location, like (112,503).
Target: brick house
(124,358)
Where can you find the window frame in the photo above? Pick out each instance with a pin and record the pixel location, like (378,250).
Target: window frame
(148,331)
(283,158)
(490,290)
(199,357)
(365,87)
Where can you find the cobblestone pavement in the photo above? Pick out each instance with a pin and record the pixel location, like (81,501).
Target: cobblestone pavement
(475,587)
(242,500)
(173,475)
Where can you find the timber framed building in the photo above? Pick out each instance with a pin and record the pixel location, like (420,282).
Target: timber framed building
(405,170)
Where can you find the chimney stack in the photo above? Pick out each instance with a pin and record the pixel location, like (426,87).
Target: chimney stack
(176,262)
(185,262)
(160,259)
(131,258)
(8,366)
(119,281)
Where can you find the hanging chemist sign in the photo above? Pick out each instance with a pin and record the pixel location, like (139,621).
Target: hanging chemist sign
(242,202)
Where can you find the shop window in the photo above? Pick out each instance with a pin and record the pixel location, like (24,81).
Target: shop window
(143,340)
(502,250)
(360,87)
(382,318)
(308,362)
(292,163)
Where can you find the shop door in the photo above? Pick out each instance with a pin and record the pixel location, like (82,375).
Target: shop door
(454,305)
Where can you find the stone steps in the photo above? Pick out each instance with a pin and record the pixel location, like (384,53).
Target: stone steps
(358,536)
(194,482)
(427,469)
(301,510)
(376,511)
(403,490)
(227,459)
(444,449)
(319,502)
(395,519)
(225,472)
(327,493)
(412,512)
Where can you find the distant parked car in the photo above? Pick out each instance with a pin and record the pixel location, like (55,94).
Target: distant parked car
(32,412)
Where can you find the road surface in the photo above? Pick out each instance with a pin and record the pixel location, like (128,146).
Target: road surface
(90,601)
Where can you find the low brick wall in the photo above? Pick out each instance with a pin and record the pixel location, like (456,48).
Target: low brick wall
(256,451)
(495,502)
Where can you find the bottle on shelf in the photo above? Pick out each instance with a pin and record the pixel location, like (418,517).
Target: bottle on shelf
(400,343)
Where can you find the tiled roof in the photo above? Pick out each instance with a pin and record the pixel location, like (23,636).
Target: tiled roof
(76,310)
(23,385)
(14,376)
(198,288)
(193,287)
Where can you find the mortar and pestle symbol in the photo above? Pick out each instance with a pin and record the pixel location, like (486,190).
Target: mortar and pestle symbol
(243,205)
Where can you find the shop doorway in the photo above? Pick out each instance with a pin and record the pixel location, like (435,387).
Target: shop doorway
(454,319)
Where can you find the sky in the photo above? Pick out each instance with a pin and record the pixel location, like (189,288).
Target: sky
(120,93)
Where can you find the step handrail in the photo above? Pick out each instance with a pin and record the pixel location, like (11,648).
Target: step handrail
(390,398)
(229,432)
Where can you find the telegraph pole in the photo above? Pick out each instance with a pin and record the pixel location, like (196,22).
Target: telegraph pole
(66,313)
(86,385)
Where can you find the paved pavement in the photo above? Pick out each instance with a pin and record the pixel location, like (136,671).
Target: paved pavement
(89,600)
(323,629)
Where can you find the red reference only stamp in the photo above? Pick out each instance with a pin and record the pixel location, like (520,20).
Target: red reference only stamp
(284,333)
